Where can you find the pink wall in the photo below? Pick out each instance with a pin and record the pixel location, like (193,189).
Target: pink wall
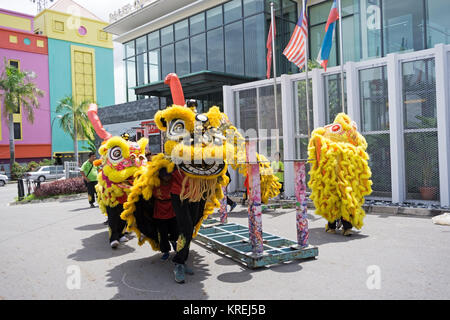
(39,132)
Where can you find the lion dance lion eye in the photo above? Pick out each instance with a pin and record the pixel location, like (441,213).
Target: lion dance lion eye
(336,128)
(115,154)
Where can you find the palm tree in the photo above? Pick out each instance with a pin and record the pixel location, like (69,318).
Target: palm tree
(19,90)
(74,120)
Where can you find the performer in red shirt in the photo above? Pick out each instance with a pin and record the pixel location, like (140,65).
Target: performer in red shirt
(163,214)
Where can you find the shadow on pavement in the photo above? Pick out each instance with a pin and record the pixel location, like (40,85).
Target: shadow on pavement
(90,227)
(97,247)
(318,236)
(82,209)
(151,278)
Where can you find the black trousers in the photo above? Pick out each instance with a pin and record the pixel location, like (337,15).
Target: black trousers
(91,191)
(187,215)
(229,201)
(115,223)
(168,231)
(345,224)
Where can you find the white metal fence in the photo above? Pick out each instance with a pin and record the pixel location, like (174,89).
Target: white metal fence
(400,103)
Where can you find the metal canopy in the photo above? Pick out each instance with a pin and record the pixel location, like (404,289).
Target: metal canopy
(194,84)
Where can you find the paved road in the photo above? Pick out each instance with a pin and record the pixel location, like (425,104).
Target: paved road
(42,246)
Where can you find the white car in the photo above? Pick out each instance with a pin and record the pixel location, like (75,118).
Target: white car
(45,173)
(3,180)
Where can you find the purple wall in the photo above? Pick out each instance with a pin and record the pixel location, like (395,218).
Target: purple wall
(40,131)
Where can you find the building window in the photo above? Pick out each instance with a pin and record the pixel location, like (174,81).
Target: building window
(215,50)
(198,53)
(182,57)
(234,52)
(167,60)
(197,23)
(214,17)
(17,131)
(403,25)
(154,72)
(255,46)
(438,23)
(167,35)
(232,11)
(181,30)
(58,26)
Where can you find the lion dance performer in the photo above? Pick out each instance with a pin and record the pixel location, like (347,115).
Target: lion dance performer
(340,174)
(197,150)
(120,159)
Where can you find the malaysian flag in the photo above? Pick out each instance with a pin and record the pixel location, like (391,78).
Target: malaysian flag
(295,51)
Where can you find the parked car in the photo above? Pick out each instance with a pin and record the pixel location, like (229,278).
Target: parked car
(45,173)
(3,180)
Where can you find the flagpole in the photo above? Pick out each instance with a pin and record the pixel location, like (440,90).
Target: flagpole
(341,55)
(306,70)
(272,20)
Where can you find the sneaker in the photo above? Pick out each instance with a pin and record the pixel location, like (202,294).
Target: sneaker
(188,270)
(106,222)
(179,273)
(329,230)
(114,244)
(123,239)
(92,205)
(233,206)
(165,256)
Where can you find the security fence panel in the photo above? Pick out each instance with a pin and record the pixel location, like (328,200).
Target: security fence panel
(245,103)
(257,118)
(333,96)
(420,129)
(375,127)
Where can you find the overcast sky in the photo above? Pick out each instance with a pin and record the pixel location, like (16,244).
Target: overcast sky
(102,9)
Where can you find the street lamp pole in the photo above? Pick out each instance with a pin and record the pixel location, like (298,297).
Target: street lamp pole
(51,132)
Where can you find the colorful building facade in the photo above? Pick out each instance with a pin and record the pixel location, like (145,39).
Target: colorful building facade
(80,56)
(20,47)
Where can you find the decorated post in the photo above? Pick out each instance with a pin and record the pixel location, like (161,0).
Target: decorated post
(254,199)
(301,207)
(223,207)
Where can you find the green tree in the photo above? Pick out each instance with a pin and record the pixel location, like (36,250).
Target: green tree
(18,91)
(74,120)
(92,144)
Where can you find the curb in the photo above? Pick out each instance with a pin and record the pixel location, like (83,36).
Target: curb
(74,197)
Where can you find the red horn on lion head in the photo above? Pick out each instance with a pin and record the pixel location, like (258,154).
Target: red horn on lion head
(175,88)
(96,123)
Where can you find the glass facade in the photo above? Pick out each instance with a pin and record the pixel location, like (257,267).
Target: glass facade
(375,28)
(229,38)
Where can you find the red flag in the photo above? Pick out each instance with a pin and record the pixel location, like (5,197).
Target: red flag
(269,48)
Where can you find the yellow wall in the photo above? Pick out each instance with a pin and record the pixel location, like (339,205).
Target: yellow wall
(62,26)
(11,21)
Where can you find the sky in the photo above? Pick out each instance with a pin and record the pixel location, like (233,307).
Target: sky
(102,9)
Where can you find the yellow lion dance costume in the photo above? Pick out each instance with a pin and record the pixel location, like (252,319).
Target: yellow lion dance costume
(201,146)
(340,174)
(120,159)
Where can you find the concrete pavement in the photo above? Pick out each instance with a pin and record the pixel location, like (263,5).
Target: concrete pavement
(44,246)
